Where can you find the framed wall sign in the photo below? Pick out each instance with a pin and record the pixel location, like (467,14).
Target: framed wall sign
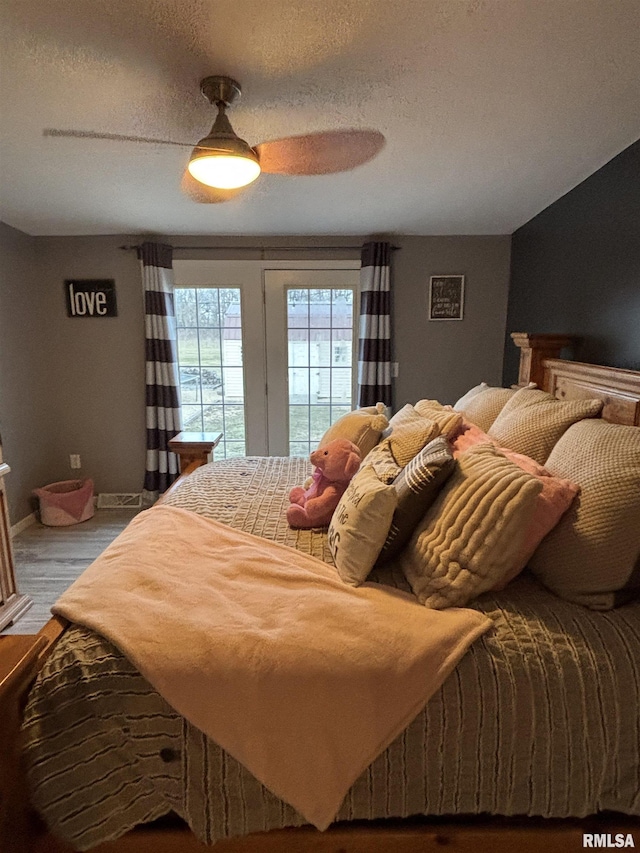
(91,297)
(446,297)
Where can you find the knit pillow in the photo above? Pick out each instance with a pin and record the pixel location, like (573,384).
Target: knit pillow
(363,427)
(408,434)
(417,487)
(593,556)
(554,500)
(482,404)
(360,524)
(532,421)
(470,537)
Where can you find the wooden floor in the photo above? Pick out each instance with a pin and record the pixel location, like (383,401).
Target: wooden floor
(49,559)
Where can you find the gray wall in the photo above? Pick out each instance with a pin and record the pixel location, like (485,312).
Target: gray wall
(576,268)
(96,364)
(27,400)
(88,377)
(441,359)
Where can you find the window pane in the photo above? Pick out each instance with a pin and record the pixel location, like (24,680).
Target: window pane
(320,349)
(298,347)
(185,306)
(338,412)
(209,335)
(299,448)
(188,353)
(320,309)
(211,378)
(298,385)
(192,418)
(297,309)
(320,422)
(320,338)
(190,385)
(341,353)
(208,310)
(213,418)
(209,346)
(341,385)
(233,449)
(232,384)
(234,423)
(298,422)
(342,309)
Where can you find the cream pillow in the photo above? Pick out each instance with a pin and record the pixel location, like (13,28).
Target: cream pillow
(363,427)
(471,393)
(592,556)
(360,525)
(409,432)
(471,536)
(427,407)
(482,404)
(532,421)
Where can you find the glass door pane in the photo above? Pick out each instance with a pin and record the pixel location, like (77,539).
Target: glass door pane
(210,363)
(320,362)
(311,356)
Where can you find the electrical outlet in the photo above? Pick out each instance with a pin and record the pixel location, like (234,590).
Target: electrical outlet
(74,460)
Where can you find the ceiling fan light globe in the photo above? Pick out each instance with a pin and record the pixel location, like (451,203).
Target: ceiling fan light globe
(224,171)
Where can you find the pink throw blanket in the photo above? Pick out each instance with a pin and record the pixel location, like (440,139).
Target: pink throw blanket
(301,678)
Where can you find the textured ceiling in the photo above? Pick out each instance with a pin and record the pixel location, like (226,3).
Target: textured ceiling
(491,109)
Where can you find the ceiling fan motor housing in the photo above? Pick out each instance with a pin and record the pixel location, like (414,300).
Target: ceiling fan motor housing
(220,90)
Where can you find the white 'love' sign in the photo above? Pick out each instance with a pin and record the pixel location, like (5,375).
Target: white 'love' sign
(91,298)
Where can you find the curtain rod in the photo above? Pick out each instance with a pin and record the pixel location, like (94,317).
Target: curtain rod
(264,248)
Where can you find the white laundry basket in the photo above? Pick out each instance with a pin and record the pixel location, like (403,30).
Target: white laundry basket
(66,502)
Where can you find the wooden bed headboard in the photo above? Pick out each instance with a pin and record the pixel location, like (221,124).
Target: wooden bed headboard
(572,380)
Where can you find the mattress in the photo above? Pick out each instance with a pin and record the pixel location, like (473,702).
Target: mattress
(539,718)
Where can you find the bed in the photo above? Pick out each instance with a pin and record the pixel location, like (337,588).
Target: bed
(533,739)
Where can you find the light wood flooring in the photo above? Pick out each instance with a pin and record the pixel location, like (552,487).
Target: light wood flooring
(49,559)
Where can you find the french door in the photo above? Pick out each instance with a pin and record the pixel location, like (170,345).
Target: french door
(266,351)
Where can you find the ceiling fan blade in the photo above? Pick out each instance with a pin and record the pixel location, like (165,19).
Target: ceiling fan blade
(203,194)
(319,153)
(112,137)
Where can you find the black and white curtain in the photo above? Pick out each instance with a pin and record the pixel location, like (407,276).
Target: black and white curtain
(162,395)
(374,345)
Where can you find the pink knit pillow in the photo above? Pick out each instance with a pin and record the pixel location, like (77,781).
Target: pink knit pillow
(553,501)
(468,436)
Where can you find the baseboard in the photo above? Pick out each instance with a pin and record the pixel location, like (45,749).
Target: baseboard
(19,526)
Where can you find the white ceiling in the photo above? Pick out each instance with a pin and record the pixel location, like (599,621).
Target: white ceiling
(491,109)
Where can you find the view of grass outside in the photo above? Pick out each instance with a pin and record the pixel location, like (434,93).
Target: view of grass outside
(320,355)
(319,331)
(210,364)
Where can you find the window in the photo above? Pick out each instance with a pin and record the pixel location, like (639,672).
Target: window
(210,365)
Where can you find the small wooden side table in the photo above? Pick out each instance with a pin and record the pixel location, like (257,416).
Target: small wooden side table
(194,447)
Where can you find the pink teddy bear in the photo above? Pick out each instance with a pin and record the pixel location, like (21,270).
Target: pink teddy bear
(336,463)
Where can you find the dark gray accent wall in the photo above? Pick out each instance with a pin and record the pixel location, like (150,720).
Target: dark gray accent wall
(576,268)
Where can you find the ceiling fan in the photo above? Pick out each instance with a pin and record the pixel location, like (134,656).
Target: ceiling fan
(221,163)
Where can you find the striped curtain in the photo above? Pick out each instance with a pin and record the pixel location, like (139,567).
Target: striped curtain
(162,397)
(374,345)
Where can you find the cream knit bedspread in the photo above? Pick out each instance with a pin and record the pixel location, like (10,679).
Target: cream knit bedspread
(301,678)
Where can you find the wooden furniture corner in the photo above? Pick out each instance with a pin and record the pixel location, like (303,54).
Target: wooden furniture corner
(12,603)
(194,447)
(534,349)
